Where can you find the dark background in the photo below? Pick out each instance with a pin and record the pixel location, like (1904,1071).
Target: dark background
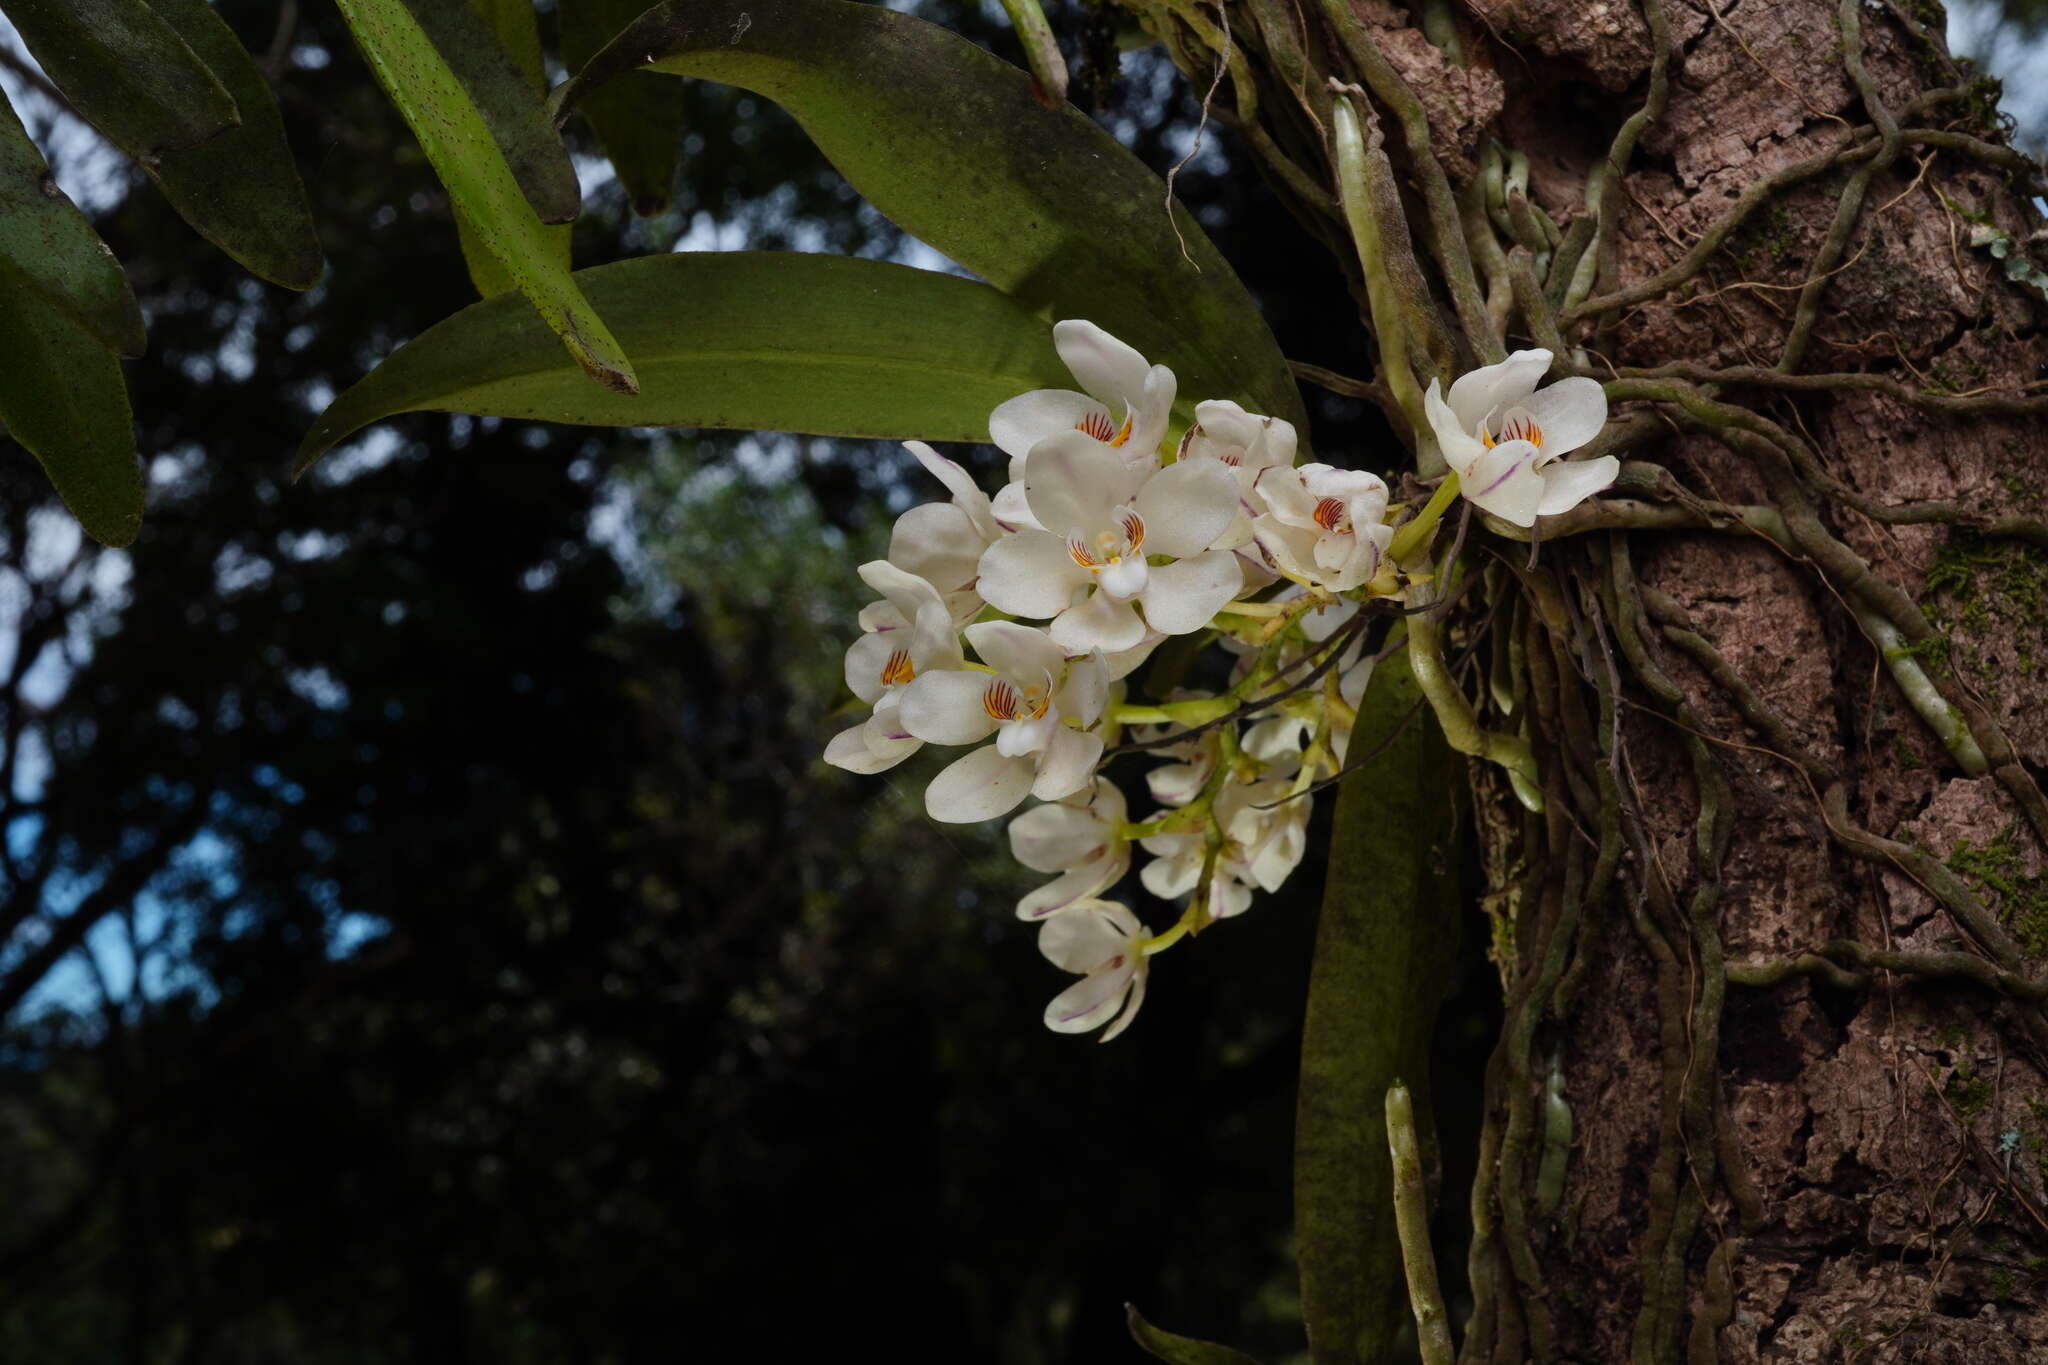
(427,931)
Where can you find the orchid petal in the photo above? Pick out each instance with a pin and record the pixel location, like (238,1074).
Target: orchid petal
(946,708)
(1173,875)
(1085,690)
(1067,764)
(1154,413)
(939,543)
(1101,622)
(867,657)
(909,592)
(978,786)
(1085,936)
(1186,506)
(1089,1002)
(1291,548)
(1568,483)
(1031,573)
(1570,413)
(1073,482)
(1024,653)
(1059,836)
(1506,483)
(1109,369)
(967,494)
(1090,878)
(851,749)
(1287,497)
(1183,596)
(1132,1004)
(1478,392)
(1454,438)
(1022,422)
(1010,510)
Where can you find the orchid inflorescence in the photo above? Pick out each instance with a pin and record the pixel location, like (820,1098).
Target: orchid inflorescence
(1115,546)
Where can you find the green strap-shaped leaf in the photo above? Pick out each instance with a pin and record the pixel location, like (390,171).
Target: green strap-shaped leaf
(241,191)
(459,144)
(638,118)
(1177,1350)
(507,98)
(778,341)
(950,143)
(62,396)
(516,26)
(126,71)
(1385,947)
(50,248)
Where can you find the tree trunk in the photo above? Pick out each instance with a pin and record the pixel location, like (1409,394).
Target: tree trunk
(1771,1083)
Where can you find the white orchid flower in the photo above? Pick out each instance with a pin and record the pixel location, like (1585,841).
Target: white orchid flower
(1088,570)
(1324,526)
(1102,942)
(1260,848)
(942,542)
(916,636)
(1081,839)
(1127,406)
(1506,438)
(1031,691)
(1179,782)
(1248,444)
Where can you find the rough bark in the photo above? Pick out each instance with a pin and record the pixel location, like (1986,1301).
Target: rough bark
(1777,941)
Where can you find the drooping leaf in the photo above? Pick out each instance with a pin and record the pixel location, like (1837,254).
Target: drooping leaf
(516,26)
(950,143)
(241,190)
(126,71)
(1178,1350)
(1385,946)
(779,341)
(62,396)
(48,245)
(507,98)
(638,118)
(459,144)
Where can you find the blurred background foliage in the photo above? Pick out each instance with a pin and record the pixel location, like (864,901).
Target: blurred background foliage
(427,932)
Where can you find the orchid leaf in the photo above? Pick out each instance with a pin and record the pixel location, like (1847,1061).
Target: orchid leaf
(1178,1350)
(779,341)
(638,118)
(62,396)
(127,72)
(481,185)
(951,143)
(47,245)
(1385,947)
(508,98)
(241,190)
(516,26)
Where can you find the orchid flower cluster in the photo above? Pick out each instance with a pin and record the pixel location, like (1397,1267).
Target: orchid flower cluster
(1009,626)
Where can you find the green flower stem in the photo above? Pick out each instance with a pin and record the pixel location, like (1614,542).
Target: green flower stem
(1041,49)
(1454,712)
(1193,711)
(1411,1220)
(1408,537)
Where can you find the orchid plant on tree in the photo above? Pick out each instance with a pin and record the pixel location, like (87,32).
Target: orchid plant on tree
(1014,625)
(1117,544)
